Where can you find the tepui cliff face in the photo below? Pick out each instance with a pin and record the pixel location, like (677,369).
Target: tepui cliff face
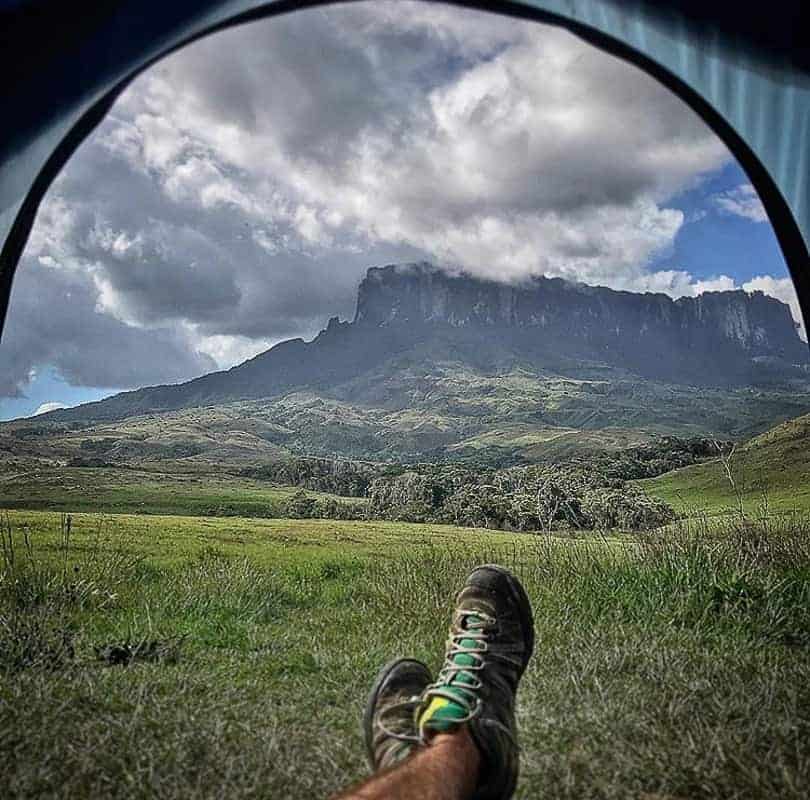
(419,294)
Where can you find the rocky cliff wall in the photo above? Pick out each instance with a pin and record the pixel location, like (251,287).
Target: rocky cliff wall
(752,325)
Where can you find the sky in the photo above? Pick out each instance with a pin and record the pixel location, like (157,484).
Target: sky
(238,191)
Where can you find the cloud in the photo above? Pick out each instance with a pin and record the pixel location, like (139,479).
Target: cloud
(404,136)
(742,201)
(44,408)
(238,190)
(55,320)
(721,283)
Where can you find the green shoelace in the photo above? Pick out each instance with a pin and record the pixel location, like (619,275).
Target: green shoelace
(453,698)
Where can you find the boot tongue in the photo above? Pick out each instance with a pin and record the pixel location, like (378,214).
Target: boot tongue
(442,713)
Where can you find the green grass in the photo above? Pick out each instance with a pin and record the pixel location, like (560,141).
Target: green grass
(115,490)
(677,666)
(771,470)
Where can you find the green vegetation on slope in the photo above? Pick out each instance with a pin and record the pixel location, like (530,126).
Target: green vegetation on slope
(432,410)
(771,470)
(679,667)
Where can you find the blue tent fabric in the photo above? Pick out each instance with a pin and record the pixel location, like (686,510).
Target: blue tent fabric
(744,69)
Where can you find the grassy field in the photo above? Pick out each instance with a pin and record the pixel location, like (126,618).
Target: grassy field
(677,666)
(115,490)
(771,471)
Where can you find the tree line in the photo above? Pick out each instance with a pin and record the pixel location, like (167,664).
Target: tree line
(585,493)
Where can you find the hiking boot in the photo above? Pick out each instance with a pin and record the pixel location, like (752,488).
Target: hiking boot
(491,641)
(388,721)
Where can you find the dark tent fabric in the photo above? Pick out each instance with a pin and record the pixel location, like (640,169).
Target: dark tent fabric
(744,68)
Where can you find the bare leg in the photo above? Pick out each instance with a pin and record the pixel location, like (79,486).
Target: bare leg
(447,769)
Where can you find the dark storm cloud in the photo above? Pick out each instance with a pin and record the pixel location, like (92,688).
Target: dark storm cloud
(54,320)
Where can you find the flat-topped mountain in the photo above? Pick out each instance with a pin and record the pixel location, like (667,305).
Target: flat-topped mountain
(437,366)
(719,339)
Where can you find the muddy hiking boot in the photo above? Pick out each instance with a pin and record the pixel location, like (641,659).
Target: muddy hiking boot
(388,722)
(491,641)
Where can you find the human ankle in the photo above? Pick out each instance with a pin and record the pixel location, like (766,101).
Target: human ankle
(460,741)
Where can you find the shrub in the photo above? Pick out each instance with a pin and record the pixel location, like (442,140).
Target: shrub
(300,506)
(625,508)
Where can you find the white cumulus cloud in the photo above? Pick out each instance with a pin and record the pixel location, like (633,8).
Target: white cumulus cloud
(44,408)
(741,201)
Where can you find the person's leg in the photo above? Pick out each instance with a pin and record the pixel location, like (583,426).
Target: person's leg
(454,738)
(446,769)
(490,644)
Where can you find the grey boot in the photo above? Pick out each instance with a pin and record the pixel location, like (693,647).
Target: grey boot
(388,721)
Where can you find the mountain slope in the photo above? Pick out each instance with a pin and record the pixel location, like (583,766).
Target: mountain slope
(412,412)
(772,468)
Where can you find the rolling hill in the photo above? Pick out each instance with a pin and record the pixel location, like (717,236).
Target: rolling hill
(772,468)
